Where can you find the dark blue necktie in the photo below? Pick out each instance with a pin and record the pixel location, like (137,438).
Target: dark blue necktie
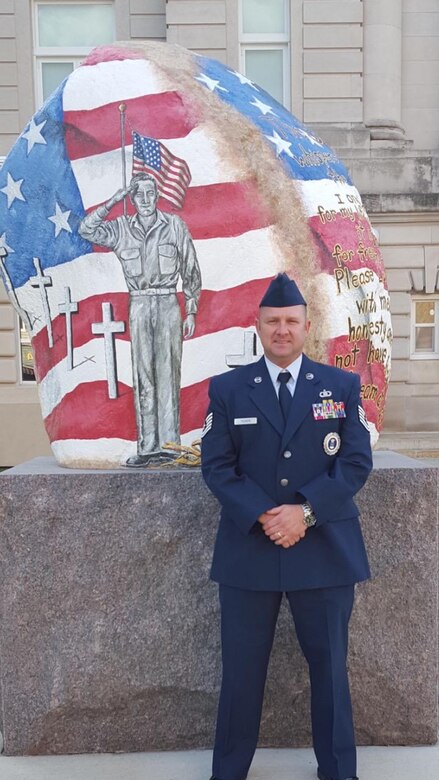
(285,397)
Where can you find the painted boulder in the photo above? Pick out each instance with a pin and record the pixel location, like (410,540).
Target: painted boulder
(142,213)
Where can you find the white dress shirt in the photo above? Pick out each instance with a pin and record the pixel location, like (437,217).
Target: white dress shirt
(274,371)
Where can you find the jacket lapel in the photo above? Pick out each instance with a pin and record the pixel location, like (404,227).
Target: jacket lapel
(302,399)
(263,395)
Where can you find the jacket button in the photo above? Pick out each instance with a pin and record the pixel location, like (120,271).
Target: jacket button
(287,454)
(284,482)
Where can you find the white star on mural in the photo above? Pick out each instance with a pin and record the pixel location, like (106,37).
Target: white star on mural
(212,84)
(13,190)
(280,143)
(311,138)
(61,220)
(243,79)
(263,108)
(33,135)
(3,244)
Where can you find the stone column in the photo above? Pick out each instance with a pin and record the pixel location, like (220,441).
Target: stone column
(382,69)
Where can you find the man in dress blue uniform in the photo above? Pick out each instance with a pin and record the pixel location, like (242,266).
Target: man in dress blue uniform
(286,447)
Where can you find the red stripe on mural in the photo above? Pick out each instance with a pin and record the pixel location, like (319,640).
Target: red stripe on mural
(88,413)
(89,311)
(345,243)
(364,359)
(194,401)
(76,418)
(235,307)
(97,130)
(213,211)
(111,53)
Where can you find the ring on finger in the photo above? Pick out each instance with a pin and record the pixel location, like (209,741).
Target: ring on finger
(279,535)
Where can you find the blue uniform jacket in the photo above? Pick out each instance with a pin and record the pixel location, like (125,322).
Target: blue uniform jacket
(253,461)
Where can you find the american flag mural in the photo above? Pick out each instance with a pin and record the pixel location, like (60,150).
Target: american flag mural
(68,161)
(172,174)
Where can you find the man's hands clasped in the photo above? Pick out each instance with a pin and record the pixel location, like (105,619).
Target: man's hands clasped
(284,524)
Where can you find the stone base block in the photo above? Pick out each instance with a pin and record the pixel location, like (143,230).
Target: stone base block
(110,626)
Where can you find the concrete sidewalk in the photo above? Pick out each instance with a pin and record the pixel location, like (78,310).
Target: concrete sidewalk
(375,763)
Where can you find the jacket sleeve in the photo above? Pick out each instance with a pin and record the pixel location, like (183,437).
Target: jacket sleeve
(329,491)
(242,499)
(95,229)
(190,269)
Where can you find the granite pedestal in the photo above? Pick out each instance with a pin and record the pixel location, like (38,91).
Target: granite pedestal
(110,628)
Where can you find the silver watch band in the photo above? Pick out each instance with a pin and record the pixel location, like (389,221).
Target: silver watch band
(309,517)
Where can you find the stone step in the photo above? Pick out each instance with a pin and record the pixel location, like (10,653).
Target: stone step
(416,444)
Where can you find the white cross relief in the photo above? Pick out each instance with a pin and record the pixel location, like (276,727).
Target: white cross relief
(42,281)
(248,356)
(11,292)
(68,307)
(107,328)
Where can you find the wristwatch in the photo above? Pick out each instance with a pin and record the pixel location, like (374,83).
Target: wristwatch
(309,517)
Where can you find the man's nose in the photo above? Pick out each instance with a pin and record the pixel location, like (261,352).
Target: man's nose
(282,328)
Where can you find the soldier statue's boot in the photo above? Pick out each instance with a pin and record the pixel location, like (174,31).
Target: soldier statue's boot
(151,459)
(139,461)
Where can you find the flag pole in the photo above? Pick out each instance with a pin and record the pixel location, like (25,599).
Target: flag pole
(122,110)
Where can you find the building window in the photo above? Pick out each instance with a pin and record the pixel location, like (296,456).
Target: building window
(425,327)
(64,33)
(265,46)
(26,355)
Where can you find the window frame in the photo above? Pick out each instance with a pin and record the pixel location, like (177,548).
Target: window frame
(265,37)
(268,42)
(286,101)
(48,54)
(417,355)
(21,381)
(39,61)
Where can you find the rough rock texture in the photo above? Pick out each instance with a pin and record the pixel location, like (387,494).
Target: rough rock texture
(110,637)
(258,193)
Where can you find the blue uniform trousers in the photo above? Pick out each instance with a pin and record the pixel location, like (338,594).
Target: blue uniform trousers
(248,621)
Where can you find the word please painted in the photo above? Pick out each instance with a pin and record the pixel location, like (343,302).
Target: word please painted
(343,276)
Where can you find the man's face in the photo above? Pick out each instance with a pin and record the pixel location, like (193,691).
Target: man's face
(145,198)
(282,332)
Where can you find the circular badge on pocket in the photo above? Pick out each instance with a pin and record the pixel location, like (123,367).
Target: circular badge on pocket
(331,443)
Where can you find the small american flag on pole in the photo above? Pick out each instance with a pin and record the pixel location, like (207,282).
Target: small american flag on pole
(171,173)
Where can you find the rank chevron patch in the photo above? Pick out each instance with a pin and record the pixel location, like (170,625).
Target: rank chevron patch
(362,417)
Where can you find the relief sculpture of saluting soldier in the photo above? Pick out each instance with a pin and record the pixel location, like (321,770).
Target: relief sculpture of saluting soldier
(155,249)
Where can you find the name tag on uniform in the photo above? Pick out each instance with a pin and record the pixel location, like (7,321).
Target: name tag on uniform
(245,420)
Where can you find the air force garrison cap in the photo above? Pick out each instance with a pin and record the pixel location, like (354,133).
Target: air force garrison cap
(282,291)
